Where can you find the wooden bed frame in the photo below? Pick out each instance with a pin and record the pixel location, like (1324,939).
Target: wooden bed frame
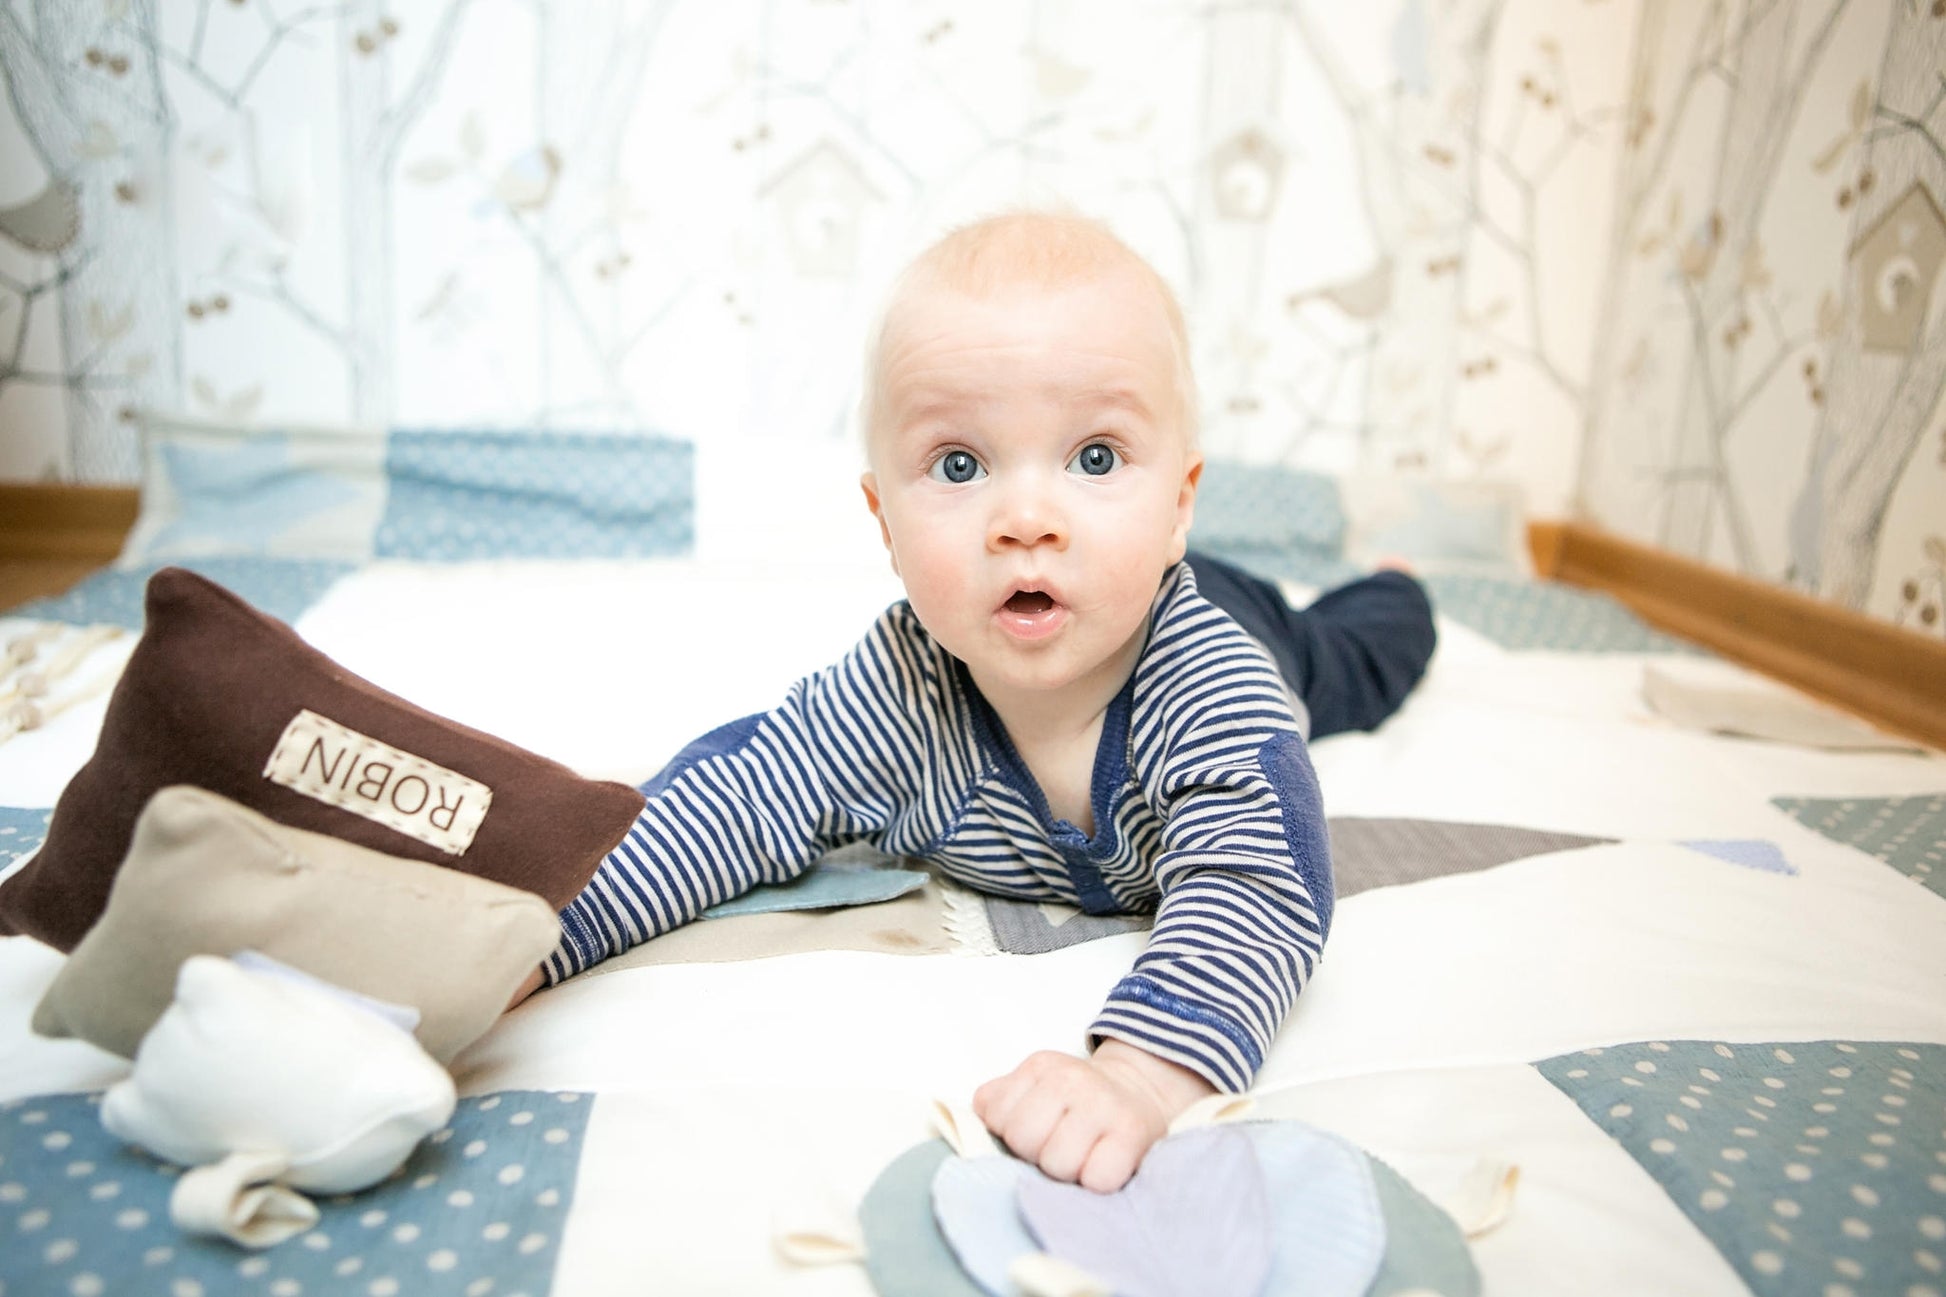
(1891,676)
(53,535)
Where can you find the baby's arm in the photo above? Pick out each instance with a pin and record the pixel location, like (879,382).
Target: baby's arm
(535,981)
(1089,1120)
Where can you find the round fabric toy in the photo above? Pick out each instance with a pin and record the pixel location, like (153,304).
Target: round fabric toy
(1333,1219)
(269,1081)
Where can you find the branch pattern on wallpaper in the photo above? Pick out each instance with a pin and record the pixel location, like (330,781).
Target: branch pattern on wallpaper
(1673,267)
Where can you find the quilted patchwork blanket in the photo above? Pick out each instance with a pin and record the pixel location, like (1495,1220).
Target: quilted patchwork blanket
(1613,1003)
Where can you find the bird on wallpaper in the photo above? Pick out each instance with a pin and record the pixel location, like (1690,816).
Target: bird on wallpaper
(1362,297)
(244,495)
(527,182)
(47,222)
(1056,78)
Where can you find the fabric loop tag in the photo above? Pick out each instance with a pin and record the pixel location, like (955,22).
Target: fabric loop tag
(237,1199)
(962,1129)
(1484,1200)
(1213,1110)
(814,1229)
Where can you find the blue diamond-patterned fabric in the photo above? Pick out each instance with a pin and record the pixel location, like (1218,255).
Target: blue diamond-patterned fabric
(457,495)
(479,1206)
(1521,613)
(1269,509)
(1299,564)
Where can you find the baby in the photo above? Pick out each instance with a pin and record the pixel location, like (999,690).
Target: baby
(1063,708)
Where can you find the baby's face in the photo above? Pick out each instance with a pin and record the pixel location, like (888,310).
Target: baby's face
(1032,477)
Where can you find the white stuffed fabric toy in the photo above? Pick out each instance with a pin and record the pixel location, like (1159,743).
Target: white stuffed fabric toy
(268,1081)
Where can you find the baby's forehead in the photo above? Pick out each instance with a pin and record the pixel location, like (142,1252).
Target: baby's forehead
(926,304)
(928,286)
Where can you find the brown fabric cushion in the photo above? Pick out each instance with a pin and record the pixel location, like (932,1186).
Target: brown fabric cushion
(222,697)
(205,876)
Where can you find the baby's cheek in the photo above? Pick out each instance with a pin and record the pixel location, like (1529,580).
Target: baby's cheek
(939,594)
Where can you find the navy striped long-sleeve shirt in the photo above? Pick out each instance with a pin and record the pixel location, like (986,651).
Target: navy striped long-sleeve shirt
(1205,804)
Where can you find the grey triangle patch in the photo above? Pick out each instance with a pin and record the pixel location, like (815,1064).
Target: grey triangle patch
(1368,853)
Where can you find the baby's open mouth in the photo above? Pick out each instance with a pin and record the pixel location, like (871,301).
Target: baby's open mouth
(1029,602)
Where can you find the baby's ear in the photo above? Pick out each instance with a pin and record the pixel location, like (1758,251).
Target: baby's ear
(869,484)
(1186,506)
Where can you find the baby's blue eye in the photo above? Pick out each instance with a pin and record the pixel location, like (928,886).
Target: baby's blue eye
(956,466)
(1095,459)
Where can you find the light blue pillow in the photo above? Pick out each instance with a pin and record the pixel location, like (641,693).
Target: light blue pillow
(1440,525)
(350,494)
(217,490)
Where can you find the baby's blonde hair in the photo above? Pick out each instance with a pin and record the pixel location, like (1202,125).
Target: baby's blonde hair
(1039,248)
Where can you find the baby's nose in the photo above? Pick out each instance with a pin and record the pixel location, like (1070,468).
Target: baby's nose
(1026,516)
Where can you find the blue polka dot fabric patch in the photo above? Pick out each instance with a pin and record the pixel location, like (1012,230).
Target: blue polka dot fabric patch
(1813,1167)
(1907,833)
(478,1208)
(22,829)
(282,587)
(457,495)
(1518,613)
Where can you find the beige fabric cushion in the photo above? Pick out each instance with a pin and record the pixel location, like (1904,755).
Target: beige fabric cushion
(205,876)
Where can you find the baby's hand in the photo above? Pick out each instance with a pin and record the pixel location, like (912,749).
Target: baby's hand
(1089,1120)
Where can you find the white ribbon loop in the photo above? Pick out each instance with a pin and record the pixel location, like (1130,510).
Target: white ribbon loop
(238,1199)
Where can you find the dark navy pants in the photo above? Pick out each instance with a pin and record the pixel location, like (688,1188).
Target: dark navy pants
(1352,656)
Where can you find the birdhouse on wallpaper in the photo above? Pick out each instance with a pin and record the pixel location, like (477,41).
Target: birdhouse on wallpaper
(1897,262)
(821,199)
(1245,171)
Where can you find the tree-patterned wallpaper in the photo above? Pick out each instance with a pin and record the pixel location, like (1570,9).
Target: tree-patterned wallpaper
(1673,265)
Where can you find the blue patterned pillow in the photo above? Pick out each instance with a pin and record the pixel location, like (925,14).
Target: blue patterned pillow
(1268,509)
(533,494)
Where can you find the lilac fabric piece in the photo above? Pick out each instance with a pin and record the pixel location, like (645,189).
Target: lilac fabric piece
(973,1201)
(1751,853)
(1194,1222)
(1325,1224)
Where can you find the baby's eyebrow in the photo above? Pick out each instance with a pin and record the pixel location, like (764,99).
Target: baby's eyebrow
(1114,398)
(932,403)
